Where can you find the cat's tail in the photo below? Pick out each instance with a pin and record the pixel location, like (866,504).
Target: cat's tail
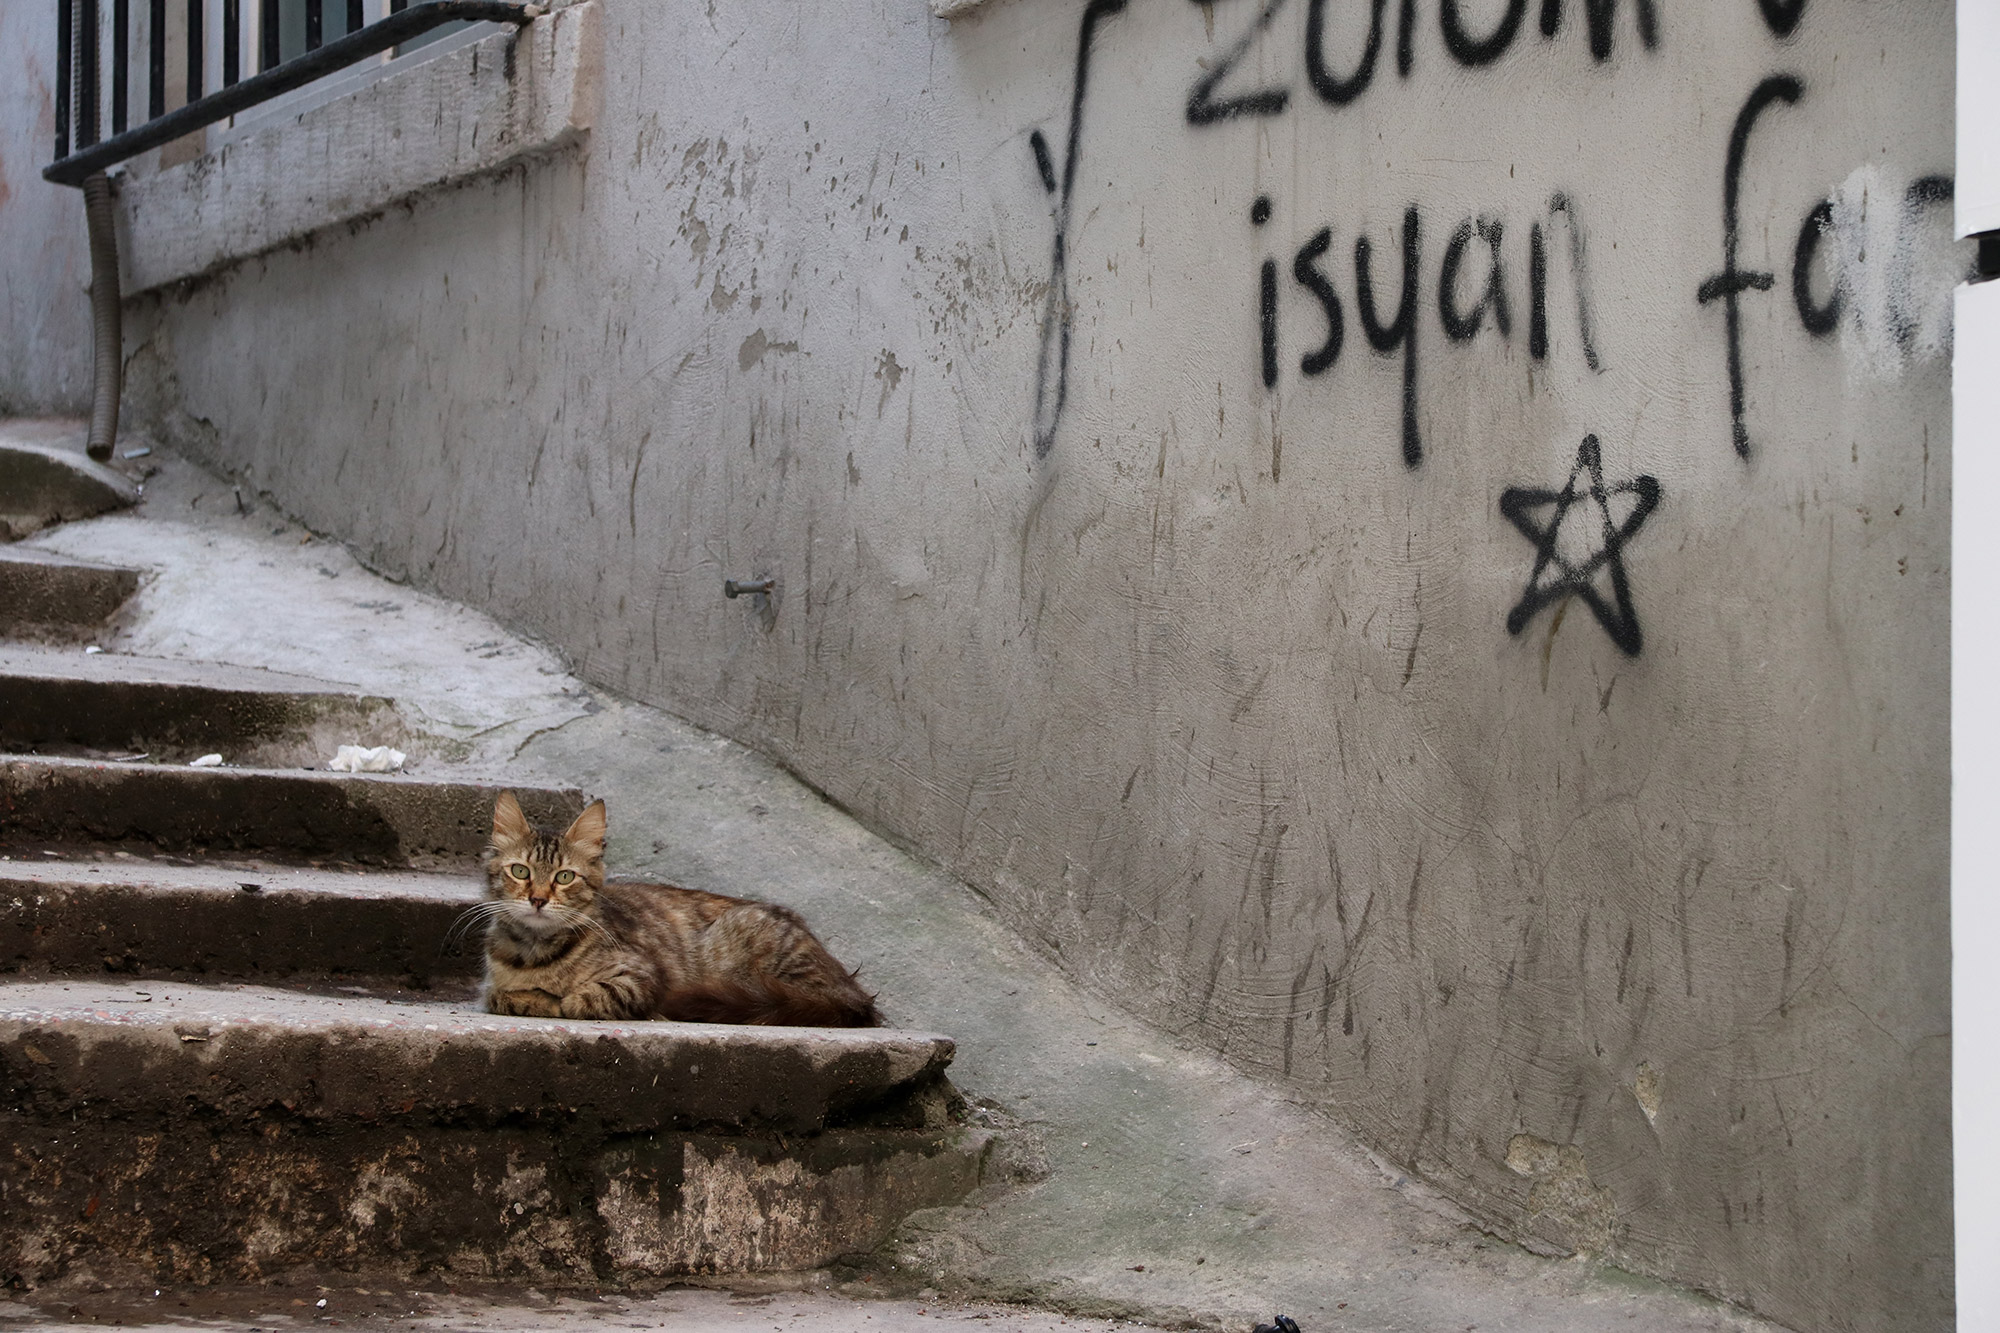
(772,1003)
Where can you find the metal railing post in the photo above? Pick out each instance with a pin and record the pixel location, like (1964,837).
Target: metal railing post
(156,59)
(121,63)
(232,42)
(197,49)
(86,84)
(65,54)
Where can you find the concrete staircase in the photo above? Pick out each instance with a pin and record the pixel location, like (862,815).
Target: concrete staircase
(45,480)
(239,1036)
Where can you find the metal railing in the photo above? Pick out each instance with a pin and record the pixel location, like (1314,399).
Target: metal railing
(214,40)
(81,91)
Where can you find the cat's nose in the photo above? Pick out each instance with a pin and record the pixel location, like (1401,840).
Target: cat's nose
(539,902)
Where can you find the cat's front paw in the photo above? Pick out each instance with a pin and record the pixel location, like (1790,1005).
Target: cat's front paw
(599,1001)
(527,1003)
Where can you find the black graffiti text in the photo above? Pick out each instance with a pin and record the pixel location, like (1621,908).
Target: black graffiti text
(1729,285)
(1052,367)
(1339,78)
(1474,289)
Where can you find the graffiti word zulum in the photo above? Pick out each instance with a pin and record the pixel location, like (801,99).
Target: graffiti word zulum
(1339,81)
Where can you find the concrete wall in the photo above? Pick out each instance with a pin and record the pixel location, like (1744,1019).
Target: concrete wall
(44,259)
(1587,854)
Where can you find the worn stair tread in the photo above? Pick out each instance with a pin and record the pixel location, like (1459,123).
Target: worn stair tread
(41,873)
(36,558)
(152,1046)
(387,819)
(42,663)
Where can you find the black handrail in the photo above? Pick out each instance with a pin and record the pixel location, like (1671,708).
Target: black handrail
(377,37)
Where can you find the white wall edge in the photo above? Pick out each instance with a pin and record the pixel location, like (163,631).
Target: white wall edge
(1975,802)
(463,115)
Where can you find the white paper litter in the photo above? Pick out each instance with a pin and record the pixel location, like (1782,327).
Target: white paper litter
(92,651)
(206,761)
(358,759)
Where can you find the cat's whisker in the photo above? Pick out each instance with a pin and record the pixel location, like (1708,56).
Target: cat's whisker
(479,914)
(570,916)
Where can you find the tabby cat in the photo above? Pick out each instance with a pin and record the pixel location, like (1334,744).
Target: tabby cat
(564,942)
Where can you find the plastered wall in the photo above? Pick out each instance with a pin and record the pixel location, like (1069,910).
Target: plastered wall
(44,260)
(1404,541)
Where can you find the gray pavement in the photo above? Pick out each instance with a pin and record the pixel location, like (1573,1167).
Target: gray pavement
(1149,1180)
(681,1310)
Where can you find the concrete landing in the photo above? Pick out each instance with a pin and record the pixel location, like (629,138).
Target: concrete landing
(366,819)
(173,711)
(165,1132)
(1149,1179)
(45,478)
(48,596)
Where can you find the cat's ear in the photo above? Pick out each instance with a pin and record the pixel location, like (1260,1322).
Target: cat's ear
(509,824)
(587,833)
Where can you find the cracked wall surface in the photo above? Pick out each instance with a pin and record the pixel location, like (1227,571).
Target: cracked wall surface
(1416,558)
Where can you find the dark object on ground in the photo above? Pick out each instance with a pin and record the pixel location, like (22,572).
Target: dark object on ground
(1280,1323)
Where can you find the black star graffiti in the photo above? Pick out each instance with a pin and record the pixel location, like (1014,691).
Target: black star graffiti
(1555,575)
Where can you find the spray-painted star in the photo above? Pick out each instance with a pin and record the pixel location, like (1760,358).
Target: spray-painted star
(1595,542)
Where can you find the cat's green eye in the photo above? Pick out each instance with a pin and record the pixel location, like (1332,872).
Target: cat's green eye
(565,876)
(518,871)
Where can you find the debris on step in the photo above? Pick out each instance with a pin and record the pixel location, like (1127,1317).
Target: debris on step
(359,759)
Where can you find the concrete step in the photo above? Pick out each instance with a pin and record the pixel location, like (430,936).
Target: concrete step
(173,711)
(47,596)
(46,479)
(371,819)
(147,918)
(169,1132)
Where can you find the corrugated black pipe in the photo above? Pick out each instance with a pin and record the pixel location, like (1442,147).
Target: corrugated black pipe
(107,346)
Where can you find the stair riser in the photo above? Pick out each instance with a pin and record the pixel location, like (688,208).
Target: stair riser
(42,483)
(50,600)
(226,933)
(179,1200)
(341,1062)
(306,816)
(174,723)
(174,1139)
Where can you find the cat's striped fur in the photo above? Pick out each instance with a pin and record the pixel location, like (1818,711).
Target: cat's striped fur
(563,942)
